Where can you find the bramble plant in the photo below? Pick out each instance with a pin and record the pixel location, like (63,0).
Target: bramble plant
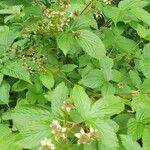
(75,74)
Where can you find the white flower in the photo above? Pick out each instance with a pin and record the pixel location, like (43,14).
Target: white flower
(60,133)
(98,14)
(83,138)
(46,144)
(55,124)
(107,2)
(93,133)
(68,106)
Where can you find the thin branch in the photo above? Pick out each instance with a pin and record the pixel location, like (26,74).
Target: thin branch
(86,7)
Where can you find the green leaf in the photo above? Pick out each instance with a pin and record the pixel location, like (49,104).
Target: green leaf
(129,143)
(106,64)
(135,129)
(116,75)
(1,77)
(47,79)
(91,44)
(64,41)
(146,51)
(20,85)
(129,4)
(4,90)
(107,133)
(11,10)
(81,101)
(124,44)
(122,120)
(9,141)
(145,86)
(108,89)
(4,131)
(141,14)
(112,13)
(59,94)
(94,79)
(106,107)
(6,36)
(32,135)
(143,32)
(143,115)
(136,81)
(28,114)
(68,67)
(140,101)
(145,67)
(146,139)
(16,70)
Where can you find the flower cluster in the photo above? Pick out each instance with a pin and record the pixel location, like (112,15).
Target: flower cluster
(68,106)
(86,137)
(46,144)
(29,59)
(58,18)
(64,4)
(75,15)
(57,130)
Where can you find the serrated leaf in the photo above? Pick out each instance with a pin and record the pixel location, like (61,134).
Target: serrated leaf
(16,70)
(108,89)
(146,139)
(32,135)
(20,85)
(107,133)
(146,50)
(93,79)
(136,81)
(28,114)
(9,141)
(81,101)
(59,94)
(1,77)
(145,86)
(106,64)
(6,36)
(143,115)
(112,13)
(4,90)
(91,44)
(106,107)
(47,79)
(145,67)
(11,10)
(122,120)
(141,14)
(65,41)
(124,44)
(68,67)
(135,129)
(143,32)
(116,75)
(129,4)
(4,131)
(129,143)
(140,101)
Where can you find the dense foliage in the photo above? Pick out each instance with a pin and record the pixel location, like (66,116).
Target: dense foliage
(75,74)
